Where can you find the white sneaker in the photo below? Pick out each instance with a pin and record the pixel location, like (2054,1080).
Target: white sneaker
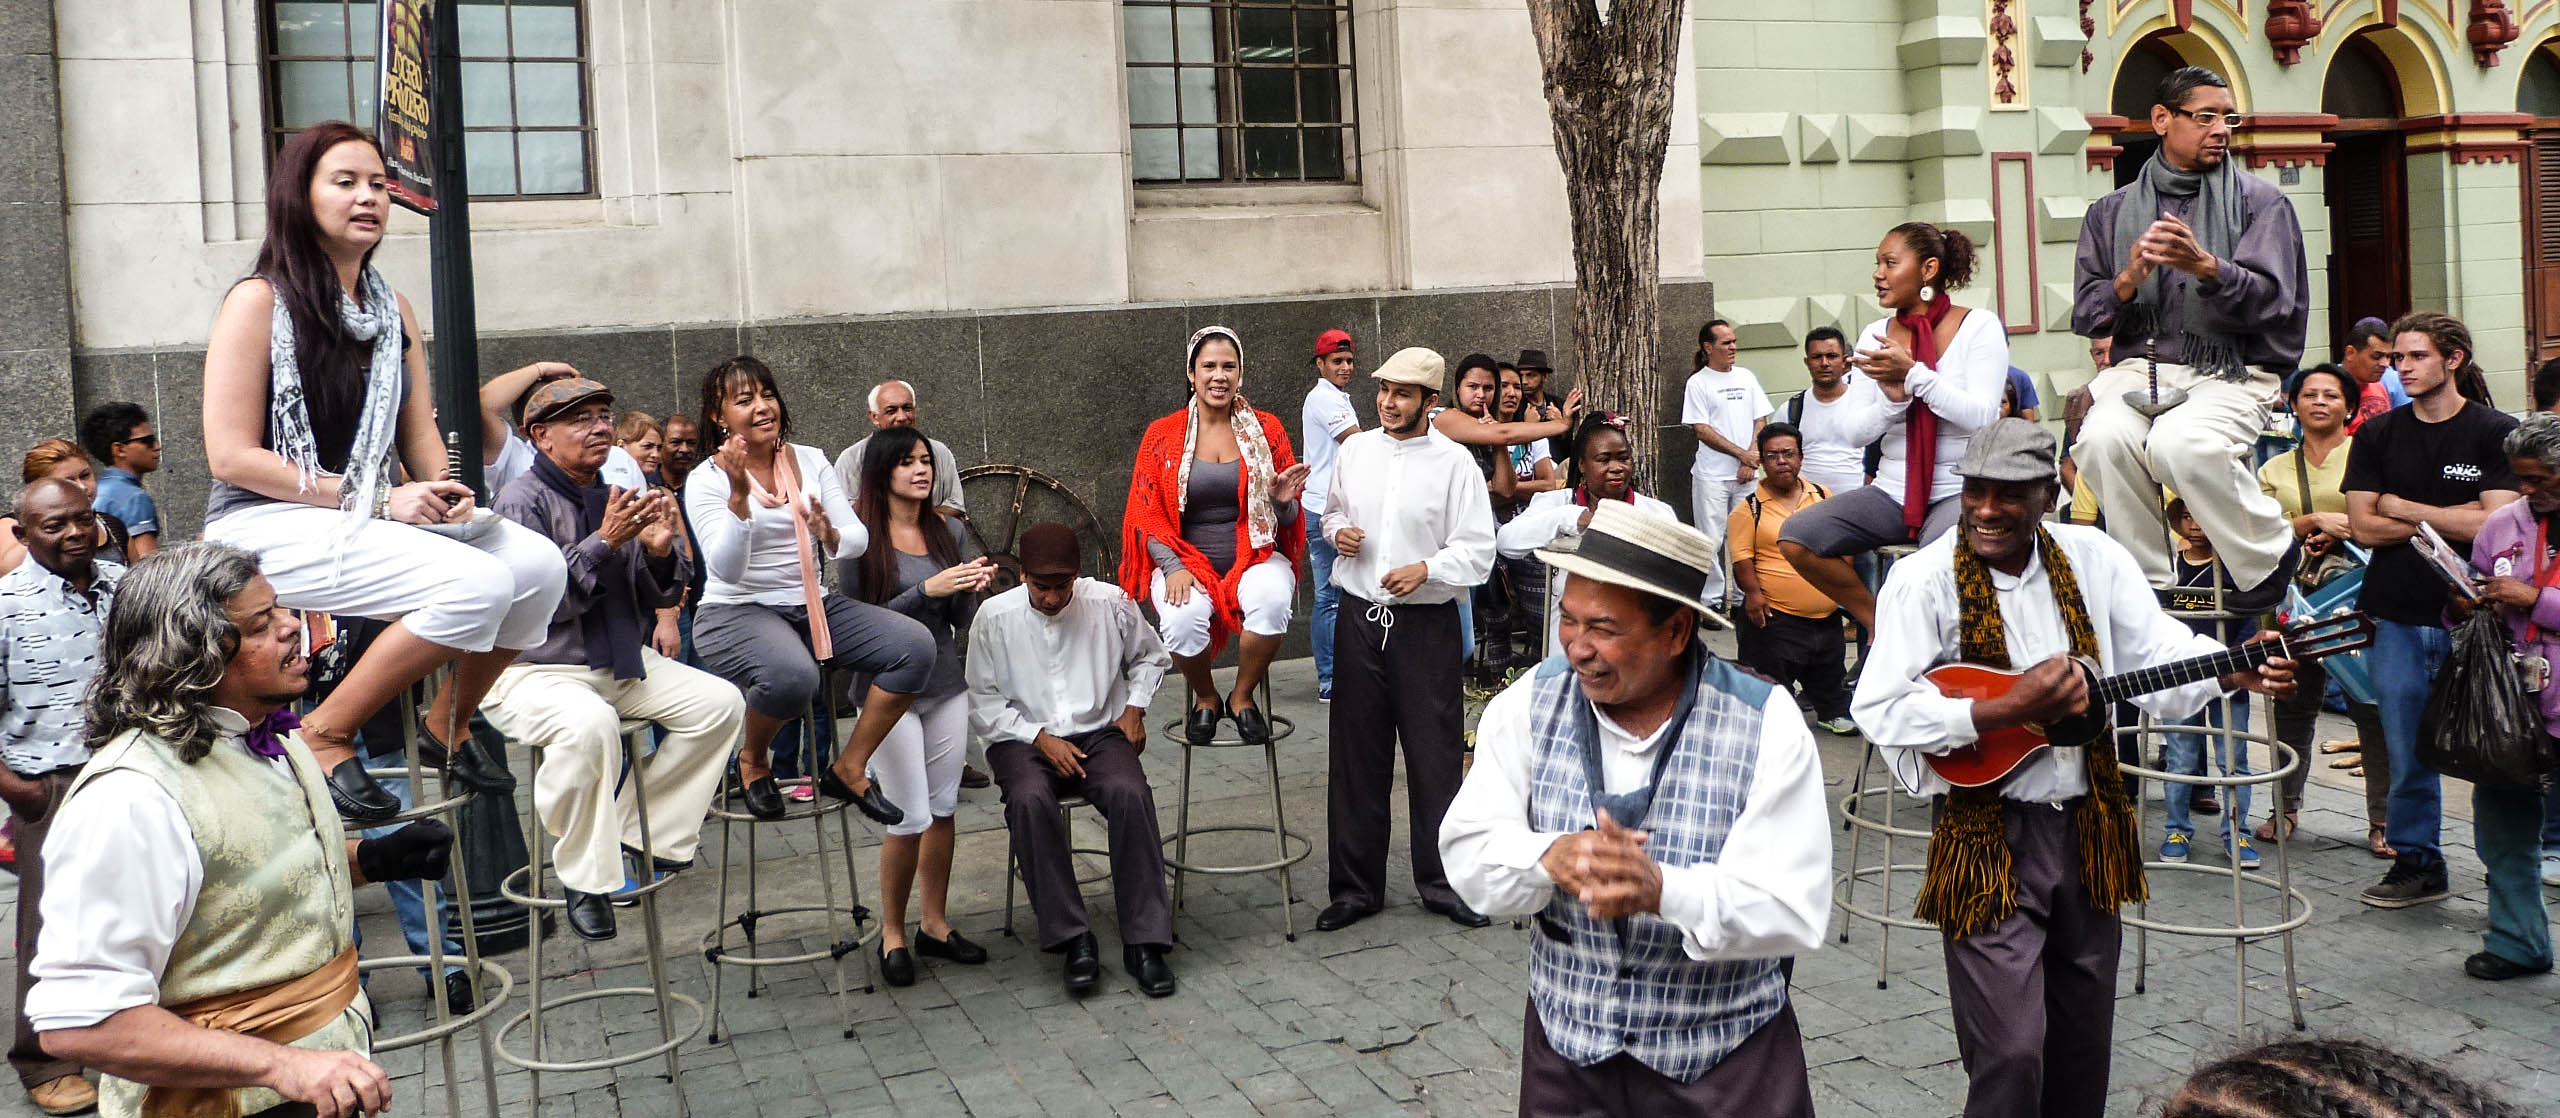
(2551,867)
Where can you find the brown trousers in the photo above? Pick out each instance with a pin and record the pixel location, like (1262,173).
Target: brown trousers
(2035,996)
(34,1067)
(1764,1077)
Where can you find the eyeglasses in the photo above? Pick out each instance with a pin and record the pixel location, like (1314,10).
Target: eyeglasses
(152,441)
(2210,119)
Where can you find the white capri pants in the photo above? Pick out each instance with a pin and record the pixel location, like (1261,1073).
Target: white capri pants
(498,591)
(918,765)
(1265,595)
(574,715)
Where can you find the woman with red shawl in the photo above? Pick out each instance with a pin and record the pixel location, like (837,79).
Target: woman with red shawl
(1212,534)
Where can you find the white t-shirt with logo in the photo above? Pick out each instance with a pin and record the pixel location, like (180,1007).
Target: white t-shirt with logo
(1730,402)
(1322,421)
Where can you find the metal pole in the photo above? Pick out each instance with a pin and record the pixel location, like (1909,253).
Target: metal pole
(457,331)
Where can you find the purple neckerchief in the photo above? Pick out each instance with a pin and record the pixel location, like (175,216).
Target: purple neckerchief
(266,739)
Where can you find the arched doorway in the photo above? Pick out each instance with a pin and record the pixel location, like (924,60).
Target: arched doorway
(2367,187)
(2137,78)
(2538,96)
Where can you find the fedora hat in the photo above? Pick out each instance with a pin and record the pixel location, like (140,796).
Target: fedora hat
(1654,554)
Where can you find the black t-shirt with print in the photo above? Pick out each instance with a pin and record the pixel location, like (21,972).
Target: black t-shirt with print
(2441,464)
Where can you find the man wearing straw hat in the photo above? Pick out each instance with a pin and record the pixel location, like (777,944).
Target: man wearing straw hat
(2025,875)
(1661,812)
(1409,517)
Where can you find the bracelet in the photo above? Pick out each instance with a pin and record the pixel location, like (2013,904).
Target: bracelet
(382,504)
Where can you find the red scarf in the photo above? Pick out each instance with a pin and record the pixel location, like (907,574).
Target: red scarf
(1154,513)
(1920,457)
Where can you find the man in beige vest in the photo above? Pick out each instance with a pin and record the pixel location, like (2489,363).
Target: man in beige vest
(224,983)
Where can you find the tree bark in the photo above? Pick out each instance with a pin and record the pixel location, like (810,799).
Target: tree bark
(1609,86)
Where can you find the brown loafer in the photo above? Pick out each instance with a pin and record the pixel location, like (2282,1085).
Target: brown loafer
(68,1095)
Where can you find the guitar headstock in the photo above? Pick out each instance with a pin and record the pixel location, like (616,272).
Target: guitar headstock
(2328,636)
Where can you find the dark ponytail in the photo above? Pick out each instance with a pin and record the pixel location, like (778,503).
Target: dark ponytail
(1951,248)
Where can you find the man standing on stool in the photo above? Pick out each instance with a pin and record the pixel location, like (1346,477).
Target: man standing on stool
(2025,876)
(2195,272)
(1061,670)
(52,609)
(1409,516)
(224,981)
(1661,811)
(569,694)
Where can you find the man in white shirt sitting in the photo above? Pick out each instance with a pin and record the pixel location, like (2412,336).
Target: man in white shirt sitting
(1661,812)
(1061,670)
(223,979)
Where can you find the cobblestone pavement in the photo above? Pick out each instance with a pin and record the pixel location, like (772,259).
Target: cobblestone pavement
(1406,1013)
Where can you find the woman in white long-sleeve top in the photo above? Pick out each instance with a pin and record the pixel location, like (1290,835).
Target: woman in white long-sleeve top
(1599,466)
(764,510)
(1954,362)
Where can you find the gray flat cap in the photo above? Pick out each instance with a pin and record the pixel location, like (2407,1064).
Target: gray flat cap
(2010,450)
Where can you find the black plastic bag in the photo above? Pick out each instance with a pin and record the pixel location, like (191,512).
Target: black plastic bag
(2481,724)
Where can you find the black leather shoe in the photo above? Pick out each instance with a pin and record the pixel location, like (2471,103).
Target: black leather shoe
(763,799)
(1252,726)
(457,993)
(2269,591)
(1458,913)
(898,967)
(661,865)
(1342,914)
(2489,967)
(470,766)
(1200,727)
(1146,965)
(590,915)
(953,947)
(1084,964)
(358,797)
(873,803)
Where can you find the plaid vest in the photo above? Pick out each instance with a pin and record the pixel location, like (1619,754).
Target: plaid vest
(1597,994)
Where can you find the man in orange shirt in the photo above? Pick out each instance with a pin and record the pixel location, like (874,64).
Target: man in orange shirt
(1788,630)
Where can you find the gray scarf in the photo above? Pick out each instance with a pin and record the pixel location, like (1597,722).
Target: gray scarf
(2219,212)
(377,320)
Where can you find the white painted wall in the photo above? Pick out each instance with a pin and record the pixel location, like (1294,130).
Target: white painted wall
(780,159)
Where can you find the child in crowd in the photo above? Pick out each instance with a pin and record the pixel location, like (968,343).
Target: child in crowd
(2198,577)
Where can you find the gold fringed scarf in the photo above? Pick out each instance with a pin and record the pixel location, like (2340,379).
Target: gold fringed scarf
(1970,885)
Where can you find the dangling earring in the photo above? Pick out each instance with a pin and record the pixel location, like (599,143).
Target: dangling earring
(1928,294)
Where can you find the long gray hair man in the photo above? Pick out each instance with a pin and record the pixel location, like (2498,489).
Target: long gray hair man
(225,980)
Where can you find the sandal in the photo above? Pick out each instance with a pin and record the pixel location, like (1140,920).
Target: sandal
(2342,745)
(2291,822)
(2377,842)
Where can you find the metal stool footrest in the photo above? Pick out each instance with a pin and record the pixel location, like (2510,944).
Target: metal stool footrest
(1841,882)
(693,1028)
(498,982)
(715,943)
(2293,904)
(1180,864)
(1296,855)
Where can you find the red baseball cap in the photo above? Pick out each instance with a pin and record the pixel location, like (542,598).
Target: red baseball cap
(1332,341)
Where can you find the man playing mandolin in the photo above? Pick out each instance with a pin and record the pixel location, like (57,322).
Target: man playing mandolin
(2028,867)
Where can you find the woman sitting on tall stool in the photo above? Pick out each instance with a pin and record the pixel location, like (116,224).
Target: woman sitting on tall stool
(315,404)
(1212,534)
(915,568)
(763,510)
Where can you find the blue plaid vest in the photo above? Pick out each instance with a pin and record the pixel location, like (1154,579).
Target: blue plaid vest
(1596,994)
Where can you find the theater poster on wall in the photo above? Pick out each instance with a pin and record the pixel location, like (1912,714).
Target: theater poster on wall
(402,119)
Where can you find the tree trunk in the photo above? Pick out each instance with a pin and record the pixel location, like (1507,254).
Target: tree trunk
(1609,86)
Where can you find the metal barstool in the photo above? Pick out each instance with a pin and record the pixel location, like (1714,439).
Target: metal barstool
(525,888)
(1855,819)
(1067,806)
(490,982)
(1282,854)
(854,936)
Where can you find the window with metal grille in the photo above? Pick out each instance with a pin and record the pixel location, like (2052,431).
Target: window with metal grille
(527,128)
(1235,91)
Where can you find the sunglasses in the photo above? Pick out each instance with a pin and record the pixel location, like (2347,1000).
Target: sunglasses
(152,441)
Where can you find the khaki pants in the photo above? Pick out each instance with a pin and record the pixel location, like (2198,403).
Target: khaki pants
(575,713)
(2200,449)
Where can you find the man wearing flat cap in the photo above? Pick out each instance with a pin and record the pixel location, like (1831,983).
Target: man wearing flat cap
(2031,951)
(1660,811)
(1409,517)
(1061,670)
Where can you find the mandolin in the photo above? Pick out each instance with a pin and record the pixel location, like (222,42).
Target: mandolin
(1993,756)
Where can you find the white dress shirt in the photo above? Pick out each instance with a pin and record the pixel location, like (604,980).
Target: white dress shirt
(1069,674)
(754,560)
(1414,500)
(1551,516)
(1768,893)
(121,878)
(1918,628)
(1964,388)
